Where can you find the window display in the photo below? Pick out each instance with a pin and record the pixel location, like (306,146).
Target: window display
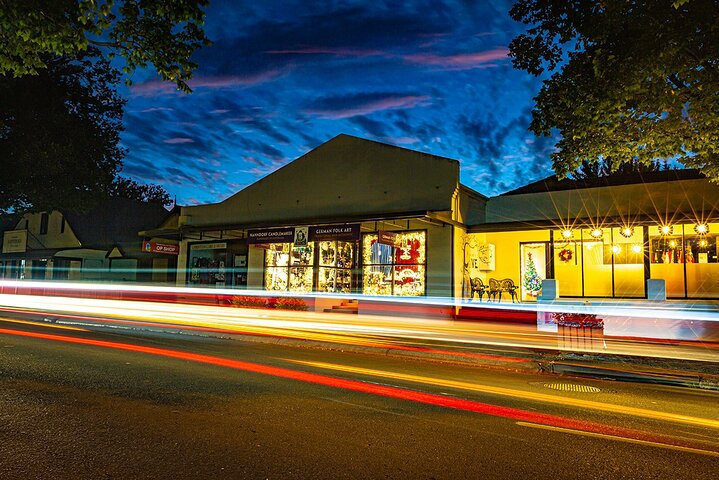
(397,270)
(289,267)
(336,260)
(207,263)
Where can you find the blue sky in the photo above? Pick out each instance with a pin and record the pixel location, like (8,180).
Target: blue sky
(282,77)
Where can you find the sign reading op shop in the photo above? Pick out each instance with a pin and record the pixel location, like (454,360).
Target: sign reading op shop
(312,234)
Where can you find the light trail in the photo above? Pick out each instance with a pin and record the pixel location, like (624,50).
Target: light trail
(508,392)
(42,324)
(516,414)
(362,330)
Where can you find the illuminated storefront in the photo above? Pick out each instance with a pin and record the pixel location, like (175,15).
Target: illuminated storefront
(607,238)
(396,268)
(360,217)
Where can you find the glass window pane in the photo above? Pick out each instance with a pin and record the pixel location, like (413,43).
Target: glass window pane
(702,258)
(409,280)
(276,278)
(628,262)
(597,256)
(303,255)
(326,279)
(412,248)
(277,255)
(327,253)
(377,280)
(568,268)
(343,280)
(666,258)
(300,279)
(345,254)
(374,253)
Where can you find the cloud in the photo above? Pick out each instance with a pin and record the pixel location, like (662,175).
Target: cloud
(178,140)
(461,61)
(158,87)
(364,104)
(340,52)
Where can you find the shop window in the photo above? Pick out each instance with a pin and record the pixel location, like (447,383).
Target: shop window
(207,264)
(288,267)
(666,256)
(568,268)
(702,265)
(336,260)
(533,269)
(397,270)
(628,251)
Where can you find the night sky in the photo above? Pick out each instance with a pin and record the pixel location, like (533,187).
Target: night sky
(285,76)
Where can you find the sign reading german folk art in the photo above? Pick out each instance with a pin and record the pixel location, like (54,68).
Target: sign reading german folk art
(301,235)
(335,232)
(154,247)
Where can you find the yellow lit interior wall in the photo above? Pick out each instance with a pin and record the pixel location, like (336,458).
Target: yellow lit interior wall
(568,274)
(671,273)
(703,278)
(506,246)
(597,274)
(629,277)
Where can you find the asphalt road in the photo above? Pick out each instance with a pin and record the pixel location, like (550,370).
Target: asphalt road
(250,410)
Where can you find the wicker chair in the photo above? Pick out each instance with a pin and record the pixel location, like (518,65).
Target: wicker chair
(478,287)
(495,290)
(507,285)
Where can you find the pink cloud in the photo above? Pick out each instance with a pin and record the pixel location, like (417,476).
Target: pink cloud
(461,61)
(342,52)
(178,140)
(158,87)
(390,103)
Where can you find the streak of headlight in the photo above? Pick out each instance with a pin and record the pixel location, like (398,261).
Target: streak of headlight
(319,326)
(42,324)
(598,306)
(369,388)
(541,397)
(617,438)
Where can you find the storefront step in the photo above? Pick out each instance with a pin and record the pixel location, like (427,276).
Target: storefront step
(346,306)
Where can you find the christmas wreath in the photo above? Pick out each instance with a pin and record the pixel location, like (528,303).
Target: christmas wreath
(565,255)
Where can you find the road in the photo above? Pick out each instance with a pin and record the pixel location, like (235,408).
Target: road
(77,403)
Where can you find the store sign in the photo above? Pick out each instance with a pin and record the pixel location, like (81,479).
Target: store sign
(335,232)
(154,247)
(271,235)
(14,241)
(388,238)
(208,246)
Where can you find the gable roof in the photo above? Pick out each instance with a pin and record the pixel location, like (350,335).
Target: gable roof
(115,221)
(553,184)
(346,177)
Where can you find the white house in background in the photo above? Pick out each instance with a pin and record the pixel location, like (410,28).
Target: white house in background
(101,244)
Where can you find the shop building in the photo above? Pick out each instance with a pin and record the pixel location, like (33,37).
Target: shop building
(101,244)
(605,237)
(358,216)
(351,216)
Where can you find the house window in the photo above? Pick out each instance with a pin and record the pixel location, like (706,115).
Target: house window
(62,224)
(43,223)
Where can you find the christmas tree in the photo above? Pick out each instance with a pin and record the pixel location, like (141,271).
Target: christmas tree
(532,281)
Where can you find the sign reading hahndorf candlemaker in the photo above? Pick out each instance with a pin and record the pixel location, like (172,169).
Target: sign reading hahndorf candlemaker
(271,235)
(335,232)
